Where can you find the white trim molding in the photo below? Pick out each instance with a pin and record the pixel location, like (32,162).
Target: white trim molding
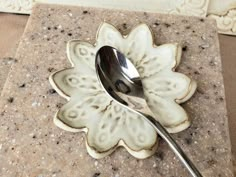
(182,7)
(226,23)
(16,6)
(224,12)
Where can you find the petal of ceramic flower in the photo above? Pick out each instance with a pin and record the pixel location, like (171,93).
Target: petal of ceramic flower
(83,111)
(63,84)
(81,54)
(116,124)
(70,82)
(177,56)
(158,59)
(96,154)
(170,85)
(171,115)
(192,89)
(140,132)
(109,35)
(138,43)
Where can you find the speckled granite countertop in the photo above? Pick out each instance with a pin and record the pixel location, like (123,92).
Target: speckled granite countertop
(31,145)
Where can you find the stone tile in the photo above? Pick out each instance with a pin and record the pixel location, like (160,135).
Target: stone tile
(30,144)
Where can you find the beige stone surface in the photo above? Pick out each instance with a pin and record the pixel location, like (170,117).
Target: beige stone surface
(228,54)
(11,28)
(30,143)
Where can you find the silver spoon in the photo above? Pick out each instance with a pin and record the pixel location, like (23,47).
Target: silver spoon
(122,82)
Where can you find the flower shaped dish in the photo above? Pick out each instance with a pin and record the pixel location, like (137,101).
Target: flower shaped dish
(106,123)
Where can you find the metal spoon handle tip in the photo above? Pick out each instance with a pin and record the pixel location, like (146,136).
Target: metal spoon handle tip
(174,146)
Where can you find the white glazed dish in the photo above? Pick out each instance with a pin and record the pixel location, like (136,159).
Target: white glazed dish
(108,125)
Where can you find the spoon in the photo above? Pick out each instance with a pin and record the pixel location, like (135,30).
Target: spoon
(122,82)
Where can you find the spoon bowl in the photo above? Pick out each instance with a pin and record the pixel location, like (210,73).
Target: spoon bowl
(122,82)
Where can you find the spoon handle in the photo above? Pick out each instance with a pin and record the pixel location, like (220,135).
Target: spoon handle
(174,146)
